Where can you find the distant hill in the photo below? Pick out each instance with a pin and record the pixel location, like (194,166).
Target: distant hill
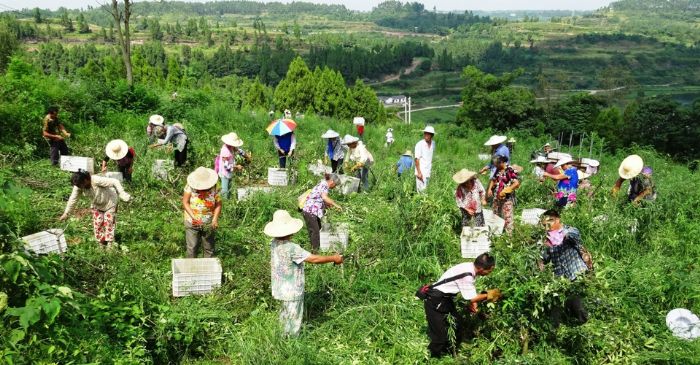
(646,5)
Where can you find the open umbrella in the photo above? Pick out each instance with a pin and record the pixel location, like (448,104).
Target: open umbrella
(281,127)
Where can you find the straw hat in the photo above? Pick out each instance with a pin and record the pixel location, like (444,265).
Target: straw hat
(116,149)
(590,162)
(348,139)
(495,140)
(563,161)
(556,156)
(330,134)
(156,119)
(202,178)
(429,129)
(463,176)
(283,225)
(540,159)
(179,125)
(407,153)
(232,139)
(631,167)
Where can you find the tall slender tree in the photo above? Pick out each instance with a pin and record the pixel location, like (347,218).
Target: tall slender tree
(122,16)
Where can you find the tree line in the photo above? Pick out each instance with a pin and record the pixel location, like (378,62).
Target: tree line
(413,16)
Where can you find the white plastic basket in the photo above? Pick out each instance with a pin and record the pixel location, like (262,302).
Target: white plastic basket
(348,184)
(277,176)
(532,216)
(474,241)
(247,192)
(334,238)
(162,169)
(45,242)
(319,169)
(195,276)
(484,157)
(494,223)
(113,175)
(75,163)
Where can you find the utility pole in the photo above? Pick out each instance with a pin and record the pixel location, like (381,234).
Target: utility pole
(410,107)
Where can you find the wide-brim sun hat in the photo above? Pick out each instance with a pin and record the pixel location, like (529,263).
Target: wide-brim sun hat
(429,129)
(116,149)
(348,139)
(540,159)
(407,153)
(463,176)
(631,167)
(564,161)
(330,134)
(590,162)
(232,139)
(156,119)
(283,225)
(683,323)
(556,156)
(495,140)
(202,178)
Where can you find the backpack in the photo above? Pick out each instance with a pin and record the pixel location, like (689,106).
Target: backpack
(422,292)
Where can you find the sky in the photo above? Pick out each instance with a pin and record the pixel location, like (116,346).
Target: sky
(367,5)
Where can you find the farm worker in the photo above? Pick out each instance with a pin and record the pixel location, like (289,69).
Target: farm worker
(567,175)
(439,304)
(287,114)
(104,194)
(362,158)
(174,134)
(470,197)
(541,163)
(55,133)
(124,156)
(315,208)
(502,189)
(359,122)
(547,148)
(423,156)
(498,148)
(589,166)
(584,184)
(641,186)
(226,162)
(335,150)
(564,250)
(405,163)
(155,128)
(202,204)
(285,145)
(389,137)
(287,269)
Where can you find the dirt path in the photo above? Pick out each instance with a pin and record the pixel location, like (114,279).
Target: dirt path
(416,62)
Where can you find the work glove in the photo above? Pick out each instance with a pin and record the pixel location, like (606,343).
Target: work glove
(493,295)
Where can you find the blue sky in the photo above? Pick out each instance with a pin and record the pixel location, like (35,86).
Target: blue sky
(367,5)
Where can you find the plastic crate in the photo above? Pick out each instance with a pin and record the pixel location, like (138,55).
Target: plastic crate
(113,175)
(75,163)
(195,276)
(277,176)
(348,184)
(494,223)
(484,157)
(532,216)
(334,238)
(162,168)
(45,242)
(474,241)
(246,192)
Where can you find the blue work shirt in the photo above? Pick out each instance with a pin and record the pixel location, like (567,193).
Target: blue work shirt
(571,184)
(405,163)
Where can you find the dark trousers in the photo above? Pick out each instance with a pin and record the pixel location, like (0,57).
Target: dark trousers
(283,159)
(438,307)
(337,166)
(181,156)
(58,149)
(126,172)
(313,225)
(573,310)
(363,175)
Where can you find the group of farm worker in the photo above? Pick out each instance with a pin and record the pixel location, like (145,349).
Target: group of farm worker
(202,203)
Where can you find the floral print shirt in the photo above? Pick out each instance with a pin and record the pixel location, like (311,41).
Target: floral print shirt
(314,203)
(287,270)
(503,179)
(470,199)
(202,204)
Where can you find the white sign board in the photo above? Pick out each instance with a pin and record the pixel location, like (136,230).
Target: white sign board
(474,241)
(277,176)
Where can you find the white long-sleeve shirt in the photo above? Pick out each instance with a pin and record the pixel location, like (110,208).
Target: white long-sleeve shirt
(104,194)
(361,154)
(464,285)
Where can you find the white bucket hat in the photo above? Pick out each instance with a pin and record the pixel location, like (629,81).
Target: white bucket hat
(202,178)
(590,162)
(232,139)
(631,167)
(358,121)
(348,139)
(156,119)
(408,153)
(563,161)
(283,225)
(556,156)
(429,129)
(540,159)
(495,140)
(330,134)
(683,323)
(116,149)
(463,176)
